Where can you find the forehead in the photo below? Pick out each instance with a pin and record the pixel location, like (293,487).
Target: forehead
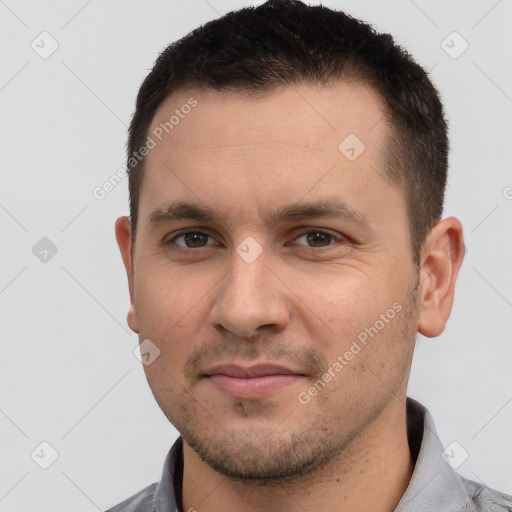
(308,115)
(233,150)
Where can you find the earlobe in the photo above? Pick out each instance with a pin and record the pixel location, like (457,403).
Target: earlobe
(124,241)
(442,258)
(133,323)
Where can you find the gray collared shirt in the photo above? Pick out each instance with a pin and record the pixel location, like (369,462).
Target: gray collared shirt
(434,485)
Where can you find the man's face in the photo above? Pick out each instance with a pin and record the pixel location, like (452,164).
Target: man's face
(255,286)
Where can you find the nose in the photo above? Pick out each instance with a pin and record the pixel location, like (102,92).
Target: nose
(251,296)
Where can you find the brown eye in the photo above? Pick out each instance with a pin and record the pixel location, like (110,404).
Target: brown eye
(316,238)
(192,240)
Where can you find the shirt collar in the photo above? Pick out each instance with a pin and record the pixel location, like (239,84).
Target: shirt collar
(434,485)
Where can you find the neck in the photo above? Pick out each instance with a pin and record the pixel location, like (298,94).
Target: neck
(371,474)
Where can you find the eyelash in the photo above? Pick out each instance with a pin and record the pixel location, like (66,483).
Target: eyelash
(335,238)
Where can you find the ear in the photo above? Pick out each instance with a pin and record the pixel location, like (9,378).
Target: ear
(442,255)
(124,241)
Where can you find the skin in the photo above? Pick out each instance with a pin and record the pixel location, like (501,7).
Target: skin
(300,303)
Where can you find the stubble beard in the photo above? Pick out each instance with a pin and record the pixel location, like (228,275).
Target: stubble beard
(264,458)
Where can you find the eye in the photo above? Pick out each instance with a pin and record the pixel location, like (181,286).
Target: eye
(318,238)
(312,238)
(191,239)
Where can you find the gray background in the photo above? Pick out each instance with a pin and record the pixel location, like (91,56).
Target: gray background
(68,373)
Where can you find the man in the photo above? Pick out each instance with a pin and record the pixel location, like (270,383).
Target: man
(284,246)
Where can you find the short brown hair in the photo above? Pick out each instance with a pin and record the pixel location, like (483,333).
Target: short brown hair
(284,42)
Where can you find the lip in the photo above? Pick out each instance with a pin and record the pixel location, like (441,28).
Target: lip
(251,382)
(257,370)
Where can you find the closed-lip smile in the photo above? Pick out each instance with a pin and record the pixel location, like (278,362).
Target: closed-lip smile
(257,370)
(251,382)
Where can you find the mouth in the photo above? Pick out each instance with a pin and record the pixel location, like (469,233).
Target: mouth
(252,382)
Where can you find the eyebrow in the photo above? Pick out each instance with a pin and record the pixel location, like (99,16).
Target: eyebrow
(329,208)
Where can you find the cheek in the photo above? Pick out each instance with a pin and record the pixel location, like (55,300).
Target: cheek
(344,305)
(162,299)
(361,321)
(171,314)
